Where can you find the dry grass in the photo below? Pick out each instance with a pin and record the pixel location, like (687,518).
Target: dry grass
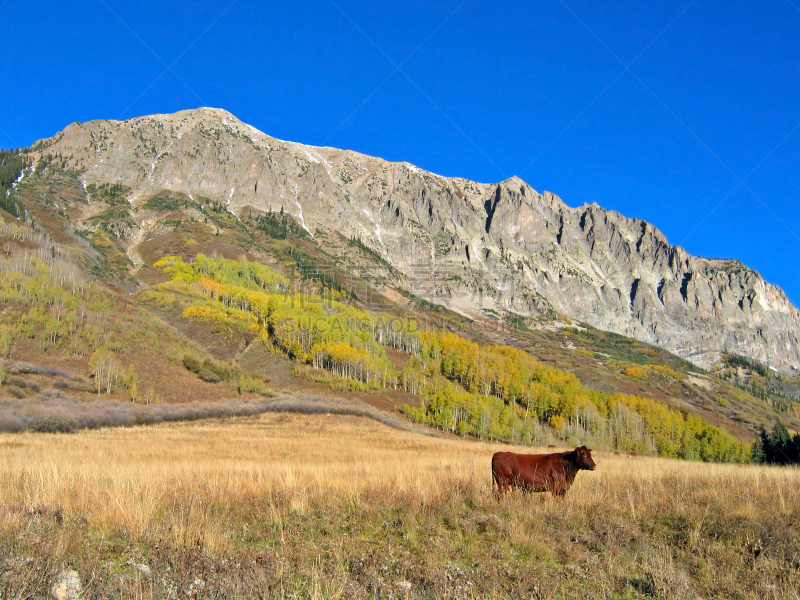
(319,506)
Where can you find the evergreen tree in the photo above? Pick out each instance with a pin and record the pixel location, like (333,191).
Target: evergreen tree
(794,449)
(780,444)
(760,446)
(777,448)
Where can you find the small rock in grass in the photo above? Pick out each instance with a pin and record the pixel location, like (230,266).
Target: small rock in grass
(486,523)
(67,586)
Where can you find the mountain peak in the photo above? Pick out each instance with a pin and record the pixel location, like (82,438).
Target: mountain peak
(507,247)
(205,112)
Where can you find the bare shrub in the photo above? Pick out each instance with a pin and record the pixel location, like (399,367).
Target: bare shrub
(17,381)
(16,391)
(22,368)
(55,411)
(22,383)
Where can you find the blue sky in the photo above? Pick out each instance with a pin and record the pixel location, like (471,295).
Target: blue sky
(682,113)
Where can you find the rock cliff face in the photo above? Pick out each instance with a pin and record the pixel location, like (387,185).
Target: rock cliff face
(476,246)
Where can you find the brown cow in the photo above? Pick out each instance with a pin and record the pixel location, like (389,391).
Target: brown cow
(553,472)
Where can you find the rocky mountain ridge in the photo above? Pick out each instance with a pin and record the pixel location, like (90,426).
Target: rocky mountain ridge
(475,247)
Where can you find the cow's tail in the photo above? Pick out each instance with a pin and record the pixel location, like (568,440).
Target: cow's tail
(496,485)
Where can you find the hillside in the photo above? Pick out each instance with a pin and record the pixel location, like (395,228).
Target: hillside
(92,307)
(503,247)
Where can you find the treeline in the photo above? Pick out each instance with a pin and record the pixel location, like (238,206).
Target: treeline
(48,304)
(495,392)
(312,327)
(279,226)
(778,447)
(241,273)
(12,163)
(737,360)
(356,242)
(344,360)
(110,193)
(492,392)
(308,270)
(45,297)
(46,300)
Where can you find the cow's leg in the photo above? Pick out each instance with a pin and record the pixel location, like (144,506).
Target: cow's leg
(508,486)
(504,479)
(504,486)
(499,486)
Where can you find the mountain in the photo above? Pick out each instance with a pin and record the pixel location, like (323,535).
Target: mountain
(477,248)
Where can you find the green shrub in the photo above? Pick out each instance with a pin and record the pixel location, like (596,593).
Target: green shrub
(192,363)
(208,375)
(210,370)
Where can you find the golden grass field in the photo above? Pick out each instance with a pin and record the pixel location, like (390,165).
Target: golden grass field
(320,506)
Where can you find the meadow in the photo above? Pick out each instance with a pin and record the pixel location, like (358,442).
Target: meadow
(331,506)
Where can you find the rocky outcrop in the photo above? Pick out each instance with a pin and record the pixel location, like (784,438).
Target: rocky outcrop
(476,246)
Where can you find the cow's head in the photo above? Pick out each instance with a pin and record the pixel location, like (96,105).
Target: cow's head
(582,458)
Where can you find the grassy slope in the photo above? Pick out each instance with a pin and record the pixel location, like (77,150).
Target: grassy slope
(331,507)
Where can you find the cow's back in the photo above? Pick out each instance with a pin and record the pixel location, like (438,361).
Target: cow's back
(527,471)
(531,472)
